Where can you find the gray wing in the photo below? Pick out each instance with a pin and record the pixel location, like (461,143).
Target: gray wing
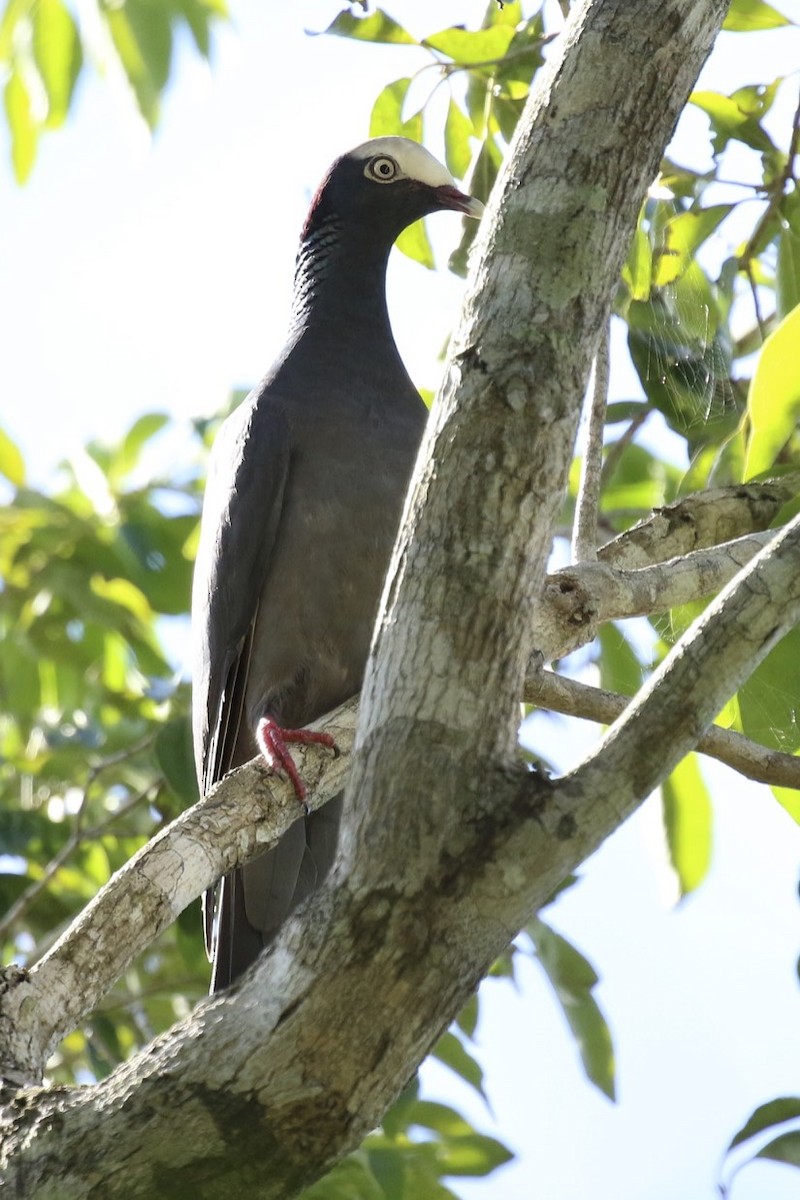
(241,514)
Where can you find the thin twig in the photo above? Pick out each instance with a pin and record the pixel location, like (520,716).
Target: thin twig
(616,448)
(751,279)
(776,193)
(572,698)
(584,537)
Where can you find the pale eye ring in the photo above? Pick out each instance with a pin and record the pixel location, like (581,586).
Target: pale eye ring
(382,169)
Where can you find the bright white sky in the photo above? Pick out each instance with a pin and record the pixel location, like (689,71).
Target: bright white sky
(147,276)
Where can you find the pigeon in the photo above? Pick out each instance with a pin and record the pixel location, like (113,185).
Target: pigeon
(305,491)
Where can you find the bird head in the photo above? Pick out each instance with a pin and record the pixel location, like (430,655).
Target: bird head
(386,184)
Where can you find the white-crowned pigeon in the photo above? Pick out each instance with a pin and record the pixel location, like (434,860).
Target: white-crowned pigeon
(305,490)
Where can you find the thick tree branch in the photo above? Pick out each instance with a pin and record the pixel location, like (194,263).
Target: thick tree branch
(560,694)
(701,520)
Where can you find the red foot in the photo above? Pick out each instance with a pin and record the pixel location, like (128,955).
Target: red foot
(273,742)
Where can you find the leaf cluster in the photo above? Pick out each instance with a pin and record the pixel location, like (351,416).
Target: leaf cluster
(95,744)
(46,46)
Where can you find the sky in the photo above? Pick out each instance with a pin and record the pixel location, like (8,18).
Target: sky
(147,275)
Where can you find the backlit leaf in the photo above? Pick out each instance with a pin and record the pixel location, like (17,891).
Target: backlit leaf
(12,464)
(475,48)
(683,234)
(386,118)
(688,819)
(744,16)
(415,243)
(457,132)
(787,277)
(773,404)
(58,54)
(736,117)
(377,27)
(638,268)
(21,122)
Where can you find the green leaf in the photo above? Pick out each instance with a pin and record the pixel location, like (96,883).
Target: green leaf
(175,757)
(625,410)
(440,1118)
(523,58)
(783,1149)
(735,116)
(683,234)
(397,1118)
(461,1150)
(773,404)
(58,55)
(507,13)
(767,701)
(472,47)
(415,243)
(682,355)
(198,15)
(467,1019)
(142,430)
(349,1180)
(12,464)
(774,1112)
(745,16)
(457,132)
(687,814)
(640,482)
(787,276)
(620,668)
(378,27)
(386,117)
(573,978)
(480,183)
(142,37)
(637,272)
(788,798)
(450,1051)
(474,1155)
(506,112)
(21,122)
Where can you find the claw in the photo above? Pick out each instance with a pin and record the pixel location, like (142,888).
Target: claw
(273,742)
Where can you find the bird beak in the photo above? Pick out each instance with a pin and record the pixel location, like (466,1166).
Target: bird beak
(451,197)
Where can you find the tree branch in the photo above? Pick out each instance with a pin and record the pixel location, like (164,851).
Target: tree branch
(705,668)
(560,694)
(587,504)
(701,520)
(578,600)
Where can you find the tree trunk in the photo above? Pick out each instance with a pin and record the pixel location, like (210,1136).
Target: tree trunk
(448,844)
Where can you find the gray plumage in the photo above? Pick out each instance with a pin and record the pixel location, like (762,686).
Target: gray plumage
(303,501)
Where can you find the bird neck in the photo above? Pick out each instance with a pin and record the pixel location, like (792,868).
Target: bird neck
(340,284)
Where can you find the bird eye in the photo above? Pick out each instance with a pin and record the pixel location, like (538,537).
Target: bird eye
(381,169)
